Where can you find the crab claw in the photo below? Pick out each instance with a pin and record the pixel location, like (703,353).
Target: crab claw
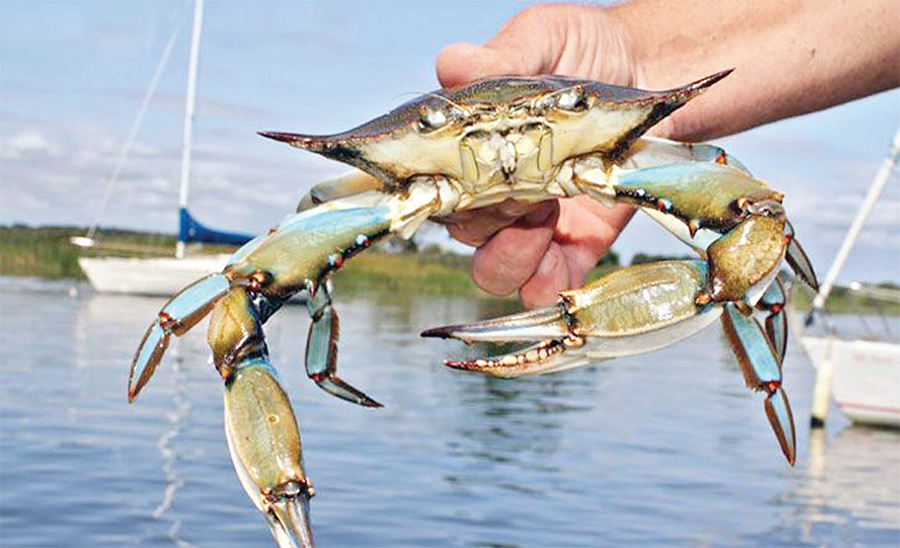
(264,442)
(627,312)
(761,366)
(524,326)
(543,323)
(179,315)
(548,356)
(288,518)
(631,311)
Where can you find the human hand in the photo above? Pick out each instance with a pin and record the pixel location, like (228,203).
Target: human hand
(790,58)
(544,248)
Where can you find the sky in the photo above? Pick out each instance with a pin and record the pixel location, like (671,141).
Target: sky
(72,75)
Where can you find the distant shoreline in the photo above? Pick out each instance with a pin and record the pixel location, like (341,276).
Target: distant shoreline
(45,252)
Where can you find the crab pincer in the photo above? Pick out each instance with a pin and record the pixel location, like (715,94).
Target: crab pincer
(630,311)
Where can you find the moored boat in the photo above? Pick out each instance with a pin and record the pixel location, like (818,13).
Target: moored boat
(161,275)
(861,372)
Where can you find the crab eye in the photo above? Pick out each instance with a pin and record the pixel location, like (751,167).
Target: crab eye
(431,119)
(572,99)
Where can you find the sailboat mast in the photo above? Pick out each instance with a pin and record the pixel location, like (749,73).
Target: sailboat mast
(189,101)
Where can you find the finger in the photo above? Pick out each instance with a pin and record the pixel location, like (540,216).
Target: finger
(461,63)
(477,226)
(530,43)
(512,255)
(551,277)
(585,231)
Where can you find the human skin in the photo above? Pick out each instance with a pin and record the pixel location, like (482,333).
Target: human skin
(790,57)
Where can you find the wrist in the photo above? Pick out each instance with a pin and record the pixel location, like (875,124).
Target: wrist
(640,40)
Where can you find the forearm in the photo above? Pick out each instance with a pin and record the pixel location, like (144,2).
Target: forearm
(790,56)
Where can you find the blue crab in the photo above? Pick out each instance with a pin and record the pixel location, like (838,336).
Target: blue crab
(525,139)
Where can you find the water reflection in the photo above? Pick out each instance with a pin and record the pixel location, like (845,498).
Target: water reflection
(852,478)
(513,421)
(667,449)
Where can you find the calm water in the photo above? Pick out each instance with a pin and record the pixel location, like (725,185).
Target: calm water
(665,449)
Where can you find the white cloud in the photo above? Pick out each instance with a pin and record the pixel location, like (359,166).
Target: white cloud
(53,173)
(26,143)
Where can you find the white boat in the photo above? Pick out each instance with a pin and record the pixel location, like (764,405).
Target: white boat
(161,275)
(158,276)
(865,377)
(860,373)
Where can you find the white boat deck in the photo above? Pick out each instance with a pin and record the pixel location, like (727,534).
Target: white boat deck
(158,276)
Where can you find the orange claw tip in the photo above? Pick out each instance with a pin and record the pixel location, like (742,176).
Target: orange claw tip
(465,365)
(134,389)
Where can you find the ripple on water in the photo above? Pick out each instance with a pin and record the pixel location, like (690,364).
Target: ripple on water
(662,450)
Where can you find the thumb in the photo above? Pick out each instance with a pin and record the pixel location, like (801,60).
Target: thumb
(529,44)
(462,63)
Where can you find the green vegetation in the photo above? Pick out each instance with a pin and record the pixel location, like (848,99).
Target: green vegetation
(430,271)
(843,301)
(45,252)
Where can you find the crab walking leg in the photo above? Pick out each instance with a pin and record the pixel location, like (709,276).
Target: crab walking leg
(773,301)
(762,371)
(349,184)
(351,232)
(655,151)
(321,350)
(179,315)
(296,257)
(721,211)
(630,311)
(300,256)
